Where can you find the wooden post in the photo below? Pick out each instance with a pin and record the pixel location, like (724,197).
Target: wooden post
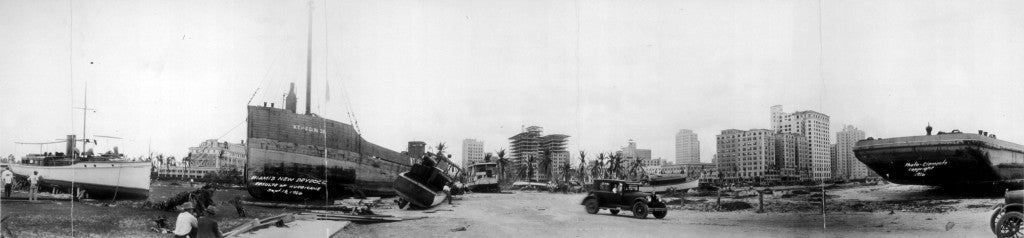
(823,226)
(760,202)
(718,202)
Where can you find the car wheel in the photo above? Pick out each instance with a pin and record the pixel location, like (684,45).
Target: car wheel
(659,214)
(591,205)
(640,210)
(1010,225)
(998,213)
(615,212)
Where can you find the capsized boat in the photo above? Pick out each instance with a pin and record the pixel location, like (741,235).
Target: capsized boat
(662,183)
(100,176)
(423,185)
(944,159)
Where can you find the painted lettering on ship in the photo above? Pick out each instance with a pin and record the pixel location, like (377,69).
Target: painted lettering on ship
(920,169)
(309,129)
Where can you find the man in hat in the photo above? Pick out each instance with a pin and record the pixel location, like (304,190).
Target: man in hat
(8,179)
(186,223)
(33,189)
(207,225)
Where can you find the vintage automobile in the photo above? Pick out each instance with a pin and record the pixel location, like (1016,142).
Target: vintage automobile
(1008,219)
(616,195)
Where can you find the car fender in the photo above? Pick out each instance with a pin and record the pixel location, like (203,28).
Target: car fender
(639,199)
(588,197)
(1014,207)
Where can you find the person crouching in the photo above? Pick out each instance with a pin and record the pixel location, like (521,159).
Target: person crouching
(186,224)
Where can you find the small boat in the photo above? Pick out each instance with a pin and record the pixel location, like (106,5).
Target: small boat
(482,177)
(662,183)
(101,176)
(423,185)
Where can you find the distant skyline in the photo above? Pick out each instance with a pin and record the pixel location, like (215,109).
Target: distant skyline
(175,73)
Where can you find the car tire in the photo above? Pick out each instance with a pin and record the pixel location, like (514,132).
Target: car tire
(615,212)
(998,213)
(1010,225)
(591,206)
(659,214)
(640,210)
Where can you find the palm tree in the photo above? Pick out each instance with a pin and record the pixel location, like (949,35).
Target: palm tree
(566,172)
(487,157)
(595,171)
(583,165)
(636,170)
(529,168)
(615,167)
(502,162)
(545,164)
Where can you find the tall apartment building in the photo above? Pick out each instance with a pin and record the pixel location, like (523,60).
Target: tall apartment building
(814,126)
(472,152)
(790,150)
(687,147)
(531,143)
(849,166)
(746,155)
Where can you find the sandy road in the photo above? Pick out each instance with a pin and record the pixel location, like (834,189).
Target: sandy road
(526,214)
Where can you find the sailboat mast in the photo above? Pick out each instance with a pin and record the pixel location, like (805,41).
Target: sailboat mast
(85,108)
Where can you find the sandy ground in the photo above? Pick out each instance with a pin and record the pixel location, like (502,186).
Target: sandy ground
(528,214)
(298,228)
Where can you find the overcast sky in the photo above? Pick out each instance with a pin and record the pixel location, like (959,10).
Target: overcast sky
(174,73)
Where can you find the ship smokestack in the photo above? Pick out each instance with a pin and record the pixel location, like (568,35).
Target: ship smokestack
(928,129)
(309,58)
(986,133)
(289,101)
(981,132)
(271,104)
(70,145)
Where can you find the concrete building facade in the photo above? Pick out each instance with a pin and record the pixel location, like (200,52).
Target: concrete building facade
(746,156)
(814,126)
(850,167)
(687,147)
(472,152)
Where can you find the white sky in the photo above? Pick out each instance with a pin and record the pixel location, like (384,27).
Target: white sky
(175,73)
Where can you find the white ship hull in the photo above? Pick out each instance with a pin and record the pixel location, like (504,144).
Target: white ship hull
(124,180)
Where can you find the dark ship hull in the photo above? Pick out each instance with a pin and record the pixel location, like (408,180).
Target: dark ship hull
(287,159)
(944,160)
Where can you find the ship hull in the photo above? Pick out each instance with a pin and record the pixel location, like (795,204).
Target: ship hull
(299,157)
(662,184)
(118,180)
(484,185)
(943,160)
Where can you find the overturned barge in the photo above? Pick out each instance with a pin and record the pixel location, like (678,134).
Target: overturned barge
(946,159)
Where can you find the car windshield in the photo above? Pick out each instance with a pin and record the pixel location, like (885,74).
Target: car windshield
(632,187)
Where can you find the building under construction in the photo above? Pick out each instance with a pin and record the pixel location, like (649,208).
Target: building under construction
(531,142)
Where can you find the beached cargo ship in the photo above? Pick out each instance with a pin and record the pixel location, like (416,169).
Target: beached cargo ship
(945,159)
(300,157)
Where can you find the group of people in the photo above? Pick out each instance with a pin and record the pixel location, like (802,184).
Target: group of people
(8,181)
(192,224)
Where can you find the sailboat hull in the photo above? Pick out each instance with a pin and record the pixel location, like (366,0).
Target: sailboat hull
(120,180)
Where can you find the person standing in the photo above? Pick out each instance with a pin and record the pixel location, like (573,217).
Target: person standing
(208,226)
(8,178)
(238,206)
(33,188)
(186,224)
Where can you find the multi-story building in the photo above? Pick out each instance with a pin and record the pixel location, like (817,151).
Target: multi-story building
(687,147)
(210,156)
(815,127)
(417,149)
(630,153)
(472,152)
(790,150)
(849,166)
(747,156)
(531,143)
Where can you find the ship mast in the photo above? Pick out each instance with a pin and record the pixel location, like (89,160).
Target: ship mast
(309,57)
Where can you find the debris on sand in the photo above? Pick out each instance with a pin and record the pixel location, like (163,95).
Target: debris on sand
(461,228)
(735,206)
(950,225)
